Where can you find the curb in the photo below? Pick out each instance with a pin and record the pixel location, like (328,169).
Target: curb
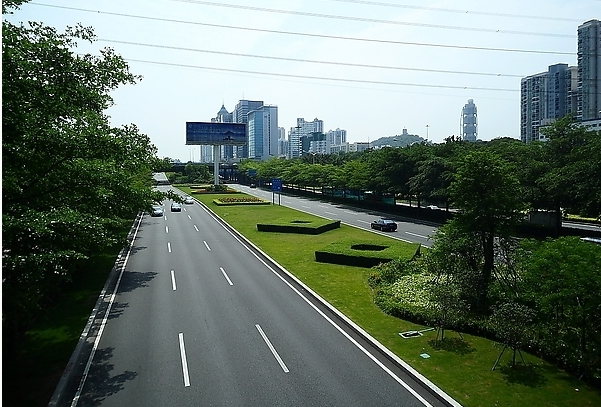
(57,398)
(427,384)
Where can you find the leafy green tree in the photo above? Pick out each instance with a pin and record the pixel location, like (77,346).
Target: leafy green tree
(487,193)
(573,154)
(512,323)
(68,177)
(561,279)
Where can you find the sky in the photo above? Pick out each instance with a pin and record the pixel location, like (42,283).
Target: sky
(372,68)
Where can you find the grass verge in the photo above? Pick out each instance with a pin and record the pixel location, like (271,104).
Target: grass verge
(31,375)
(462,368)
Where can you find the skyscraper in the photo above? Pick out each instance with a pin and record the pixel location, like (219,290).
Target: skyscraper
(589,71)
(263,134)
(303,128)
(240,115)
(546,97)
(469,121)
(223,116)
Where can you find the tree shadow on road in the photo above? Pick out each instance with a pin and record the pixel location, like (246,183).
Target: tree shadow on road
(102,382)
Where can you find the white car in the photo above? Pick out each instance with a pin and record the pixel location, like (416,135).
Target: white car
(188,200)
(433,207)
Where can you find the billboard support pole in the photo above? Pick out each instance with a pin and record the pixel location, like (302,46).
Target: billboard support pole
(216,149)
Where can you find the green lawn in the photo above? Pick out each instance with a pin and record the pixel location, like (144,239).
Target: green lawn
(461,368)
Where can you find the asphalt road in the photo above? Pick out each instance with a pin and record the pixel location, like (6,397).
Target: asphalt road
(199,318)
(410,231)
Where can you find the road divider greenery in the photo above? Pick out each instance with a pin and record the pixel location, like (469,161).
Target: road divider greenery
(460,365)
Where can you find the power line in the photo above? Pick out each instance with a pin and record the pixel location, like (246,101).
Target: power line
(310,60)
(458,11)
(372,82)
(336,37)
(372,20)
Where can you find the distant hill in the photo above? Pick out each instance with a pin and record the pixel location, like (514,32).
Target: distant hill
(396,141)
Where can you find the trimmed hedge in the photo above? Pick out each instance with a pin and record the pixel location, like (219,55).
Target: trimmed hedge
(364,254)
(299,226)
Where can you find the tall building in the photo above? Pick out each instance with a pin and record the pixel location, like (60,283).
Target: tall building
(263,133)
(240,115)
(282,142)
(303,128)
(589,71)
(223,116)
(336,137)
(469,121)
(545,97)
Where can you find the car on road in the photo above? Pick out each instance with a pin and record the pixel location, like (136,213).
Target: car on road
(188,200)
(385,225)
(253,185)
(157,210)
(433,207)
(176,207)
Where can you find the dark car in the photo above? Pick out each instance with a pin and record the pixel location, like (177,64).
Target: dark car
(176,207)
(385,225)
(156,210)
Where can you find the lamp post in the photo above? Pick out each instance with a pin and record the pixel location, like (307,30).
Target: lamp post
(312,153)
(427,127)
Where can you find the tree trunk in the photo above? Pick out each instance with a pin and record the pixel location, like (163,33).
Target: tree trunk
(487,268)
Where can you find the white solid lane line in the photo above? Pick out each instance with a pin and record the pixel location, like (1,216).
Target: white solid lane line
(415,234)
(206,245)
(173,280)
(169,247)
(226,276)
(275,353)
(195,228)
(182,351)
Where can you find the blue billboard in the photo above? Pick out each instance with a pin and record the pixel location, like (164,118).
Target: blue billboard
(206,133)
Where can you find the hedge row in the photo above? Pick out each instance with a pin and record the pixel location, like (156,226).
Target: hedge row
(363,254)
(301,227)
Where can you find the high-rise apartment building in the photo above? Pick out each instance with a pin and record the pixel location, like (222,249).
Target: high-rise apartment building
(545,97)
(263,134)
(303,128)
(336,137)
(469,121)
(589,71)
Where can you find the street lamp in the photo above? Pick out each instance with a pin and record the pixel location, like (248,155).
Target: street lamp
(312,153)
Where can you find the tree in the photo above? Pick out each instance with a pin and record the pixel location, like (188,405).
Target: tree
(561,279)
(512,323)
(574,156)
(487,193)
(68,177)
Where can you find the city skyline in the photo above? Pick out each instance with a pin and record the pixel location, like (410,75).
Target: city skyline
(370,68)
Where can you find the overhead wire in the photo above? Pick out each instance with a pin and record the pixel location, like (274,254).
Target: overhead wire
(373,82)
(458,11)
(312,61)
(372,20)
(294,33)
